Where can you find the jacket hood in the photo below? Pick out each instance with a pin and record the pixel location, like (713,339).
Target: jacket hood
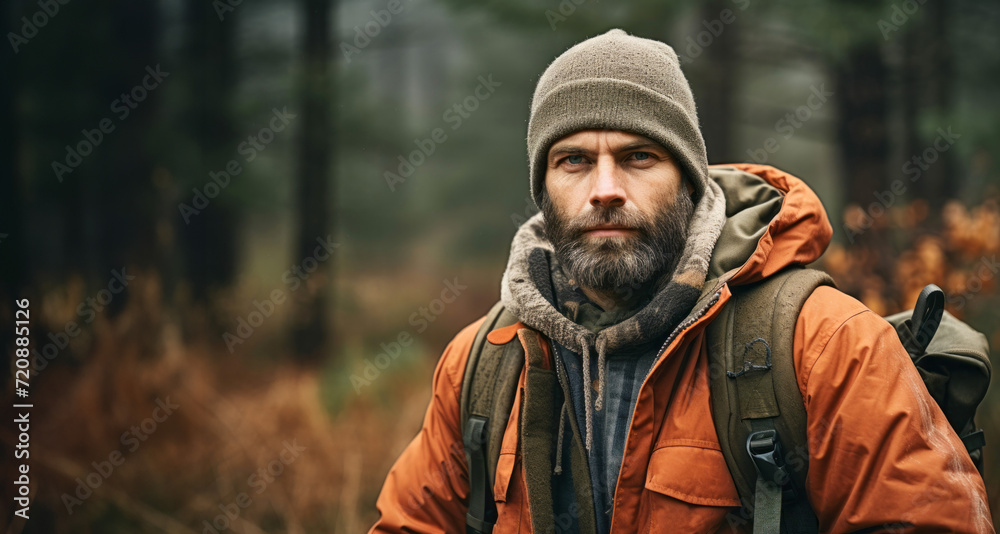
(773,221)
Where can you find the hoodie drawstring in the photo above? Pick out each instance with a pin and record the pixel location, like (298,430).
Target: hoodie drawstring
(589,404)
(602,347)
(587,397)
(559,440)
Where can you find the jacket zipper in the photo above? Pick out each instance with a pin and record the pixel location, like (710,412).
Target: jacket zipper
(558,363)
(685,324)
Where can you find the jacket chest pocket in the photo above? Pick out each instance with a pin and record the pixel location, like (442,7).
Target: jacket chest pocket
(688,489)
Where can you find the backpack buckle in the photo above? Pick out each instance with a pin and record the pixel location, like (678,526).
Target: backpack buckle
(765,451)
(482,513)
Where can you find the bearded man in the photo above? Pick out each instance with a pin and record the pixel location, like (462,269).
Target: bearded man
(608,294)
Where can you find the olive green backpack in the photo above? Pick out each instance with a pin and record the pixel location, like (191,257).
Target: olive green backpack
(758,411)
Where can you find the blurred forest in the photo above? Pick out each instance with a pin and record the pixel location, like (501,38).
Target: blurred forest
(244,245)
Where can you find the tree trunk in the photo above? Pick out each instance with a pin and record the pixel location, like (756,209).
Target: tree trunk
(125,209)
(313,187)
(863,136)
(210,239)
(13,283)
(928,95)
(862,131)
(716,72)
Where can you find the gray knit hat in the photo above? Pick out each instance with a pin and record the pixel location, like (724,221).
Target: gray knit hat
(616,81)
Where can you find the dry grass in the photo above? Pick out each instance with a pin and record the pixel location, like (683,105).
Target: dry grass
(233,420)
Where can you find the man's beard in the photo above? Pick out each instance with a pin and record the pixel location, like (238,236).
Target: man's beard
(608,264)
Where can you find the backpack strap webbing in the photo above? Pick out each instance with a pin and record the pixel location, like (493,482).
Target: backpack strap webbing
(757,408)
(488,388)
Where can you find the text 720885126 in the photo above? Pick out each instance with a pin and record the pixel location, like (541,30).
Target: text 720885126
(22,420)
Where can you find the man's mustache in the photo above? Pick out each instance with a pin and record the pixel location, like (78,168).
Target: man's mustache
(614,216)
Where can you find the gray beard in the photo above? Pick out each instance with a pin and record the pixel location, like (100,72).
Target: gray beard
(610,264)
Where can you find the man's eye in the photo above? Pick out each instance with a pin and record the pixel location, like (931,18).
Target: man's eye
(640,156)
(575,159)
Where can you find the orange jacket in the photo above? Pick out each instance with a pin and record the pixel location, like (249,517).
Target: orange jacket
(881,452)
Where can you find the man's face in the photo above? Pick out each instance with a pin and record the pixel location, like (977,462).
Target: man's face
(616,208)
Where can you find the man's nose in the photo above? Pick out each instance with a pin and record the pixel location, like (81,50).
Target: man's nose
(607,190)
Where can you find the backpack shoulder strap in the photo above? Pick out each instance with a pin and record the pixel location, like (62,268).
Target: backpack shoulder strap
(486,401)
(489,324)
(757,408)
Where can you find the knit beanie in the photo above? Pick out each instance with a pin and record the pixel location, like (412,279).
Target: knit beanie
(616,81)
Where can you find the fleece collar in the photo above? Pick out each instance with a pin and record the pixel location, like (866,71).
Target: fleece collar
(528,290)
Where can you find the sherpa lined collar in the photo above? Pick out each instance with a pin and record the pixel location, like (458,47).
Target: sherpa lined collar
(527,290)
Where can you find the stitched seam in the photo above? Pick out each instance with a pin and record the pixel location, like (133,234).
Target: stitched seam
(514,411)
(682,442)
(695,499)
(449,371)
